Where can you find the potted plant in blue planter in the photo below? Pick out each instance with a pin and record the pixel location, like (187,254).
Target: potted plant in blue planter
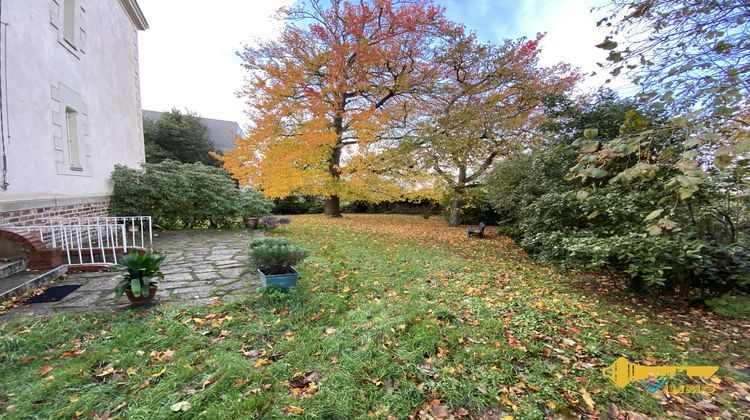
(275,258)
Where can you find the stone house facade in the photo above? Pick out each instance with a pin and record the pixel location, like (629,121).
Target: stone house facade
(70,105)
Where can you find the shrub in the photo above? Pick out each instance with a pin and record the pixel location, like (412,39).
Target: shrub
(177,195)
(477,208)
(608,230)
(395,207)
(622,211)
(517,182)
(266,241)
(298,204)
(731,306)
(254,204)
(276,256)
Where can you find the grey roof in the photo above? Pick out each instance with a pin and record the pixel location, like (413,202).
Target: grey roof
(221,132)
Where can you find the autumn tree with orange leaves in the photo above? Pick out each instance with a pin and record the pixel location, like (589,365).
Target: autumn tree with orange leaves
(330,94)
(486,103)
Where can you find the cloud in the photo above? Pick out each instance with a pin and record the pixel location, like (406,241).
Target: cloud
(187,56)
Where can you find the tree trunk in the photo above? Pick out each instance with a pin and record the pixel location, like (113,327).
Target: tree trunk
(454,219)
(332,206)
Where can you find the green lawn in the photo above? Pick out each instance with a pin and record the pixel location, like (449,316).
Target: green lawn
(396,315)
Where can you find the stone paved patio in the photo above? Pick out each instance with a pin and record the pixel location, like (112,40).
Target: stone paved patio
(200,267)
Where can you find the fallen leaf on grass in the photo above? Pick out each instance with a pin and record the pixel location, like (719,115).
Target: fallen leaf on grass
(588,400)
(304,384)
(45,370)
(161,356)
(301,380)
(293,410)
(624,341)
(252,353)
(107,370)
(181,406)
(240,383)
(208,382)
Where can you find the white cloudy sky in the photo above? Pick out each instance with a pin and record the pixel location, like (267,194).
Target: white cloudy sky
(188,55)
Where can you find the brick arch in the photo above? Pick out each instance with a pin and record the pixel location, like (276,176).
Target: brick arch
(27,242)
(38,256)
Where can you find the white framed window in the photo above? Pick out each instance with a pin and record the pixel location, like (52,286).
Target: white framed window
(69,19)
(72,139)
(69,27)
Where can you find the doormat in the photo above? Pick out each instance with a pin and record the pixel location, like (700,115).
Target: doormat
(53,294)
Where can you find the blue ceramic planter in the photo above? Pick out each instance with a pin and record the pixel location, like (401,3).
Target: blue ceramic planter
(282,281)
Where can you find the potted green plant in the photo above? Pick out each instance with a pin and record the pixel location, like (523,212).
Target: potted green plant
(253,206)
(275,258)
(138,281)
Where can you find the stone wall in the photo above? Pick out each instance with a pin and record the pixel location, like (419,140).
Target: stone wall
(37,211)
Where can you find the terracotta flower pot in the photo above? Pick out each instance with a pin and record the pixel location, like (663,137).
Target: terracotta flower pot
(251,222)
(141,300)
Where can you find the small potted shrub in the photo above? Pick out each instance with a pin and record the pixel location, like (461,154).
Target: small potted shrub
(275,258)
(253,206)
(139,280)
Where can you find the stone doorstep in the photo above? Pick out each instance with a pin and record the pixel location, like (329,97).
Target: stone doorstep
(24,281)
(12,267)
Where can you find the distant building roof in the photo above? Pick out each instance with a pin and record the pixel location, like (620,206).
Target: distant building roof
(222,133)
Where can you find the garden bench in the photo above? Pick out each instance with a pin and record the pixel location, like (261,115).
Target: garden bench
(478,231)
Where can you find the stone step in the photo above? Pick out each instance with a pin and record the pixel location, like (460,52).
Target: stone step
(23,281)
(10,268)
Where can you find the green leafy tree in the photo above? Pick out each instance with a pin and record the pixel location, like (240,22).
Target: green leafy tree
(692,54)
(516,182)
(177,136)
(692,58)
(485,103)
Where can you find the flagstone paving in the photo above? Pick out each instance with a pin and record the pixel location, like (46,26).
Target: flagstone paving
(200,266)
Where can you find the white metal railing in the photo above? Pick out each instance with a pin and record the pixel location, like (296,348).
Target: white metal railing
(92,240)
(138,227)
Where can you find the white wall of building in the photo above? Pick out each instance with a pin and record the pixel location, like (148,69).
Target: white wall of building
(99,75)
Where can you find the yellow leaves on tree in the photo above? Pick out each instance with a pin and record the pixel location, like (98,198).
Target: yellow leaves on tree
(328,99)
